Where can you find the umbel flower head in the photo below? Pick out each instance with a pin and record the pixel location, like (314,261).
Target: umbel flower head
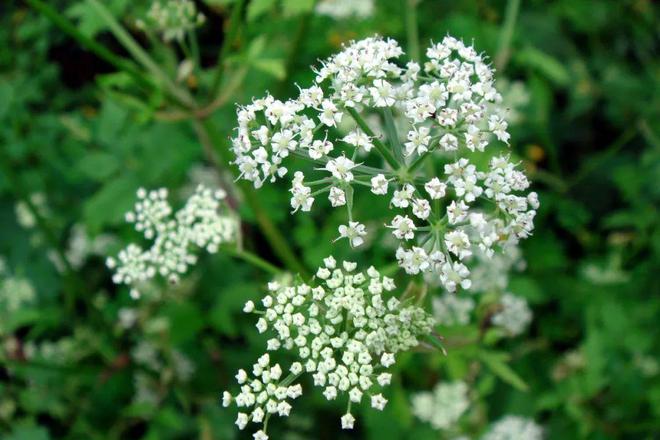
(434,151)
(203,223)
(172,18)
(443,406)
(514,428)
(344,332)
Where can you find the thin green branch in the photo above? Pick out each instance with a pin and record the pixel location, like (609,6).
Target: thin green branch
(412,31)
(98,49)
(230,36)
(506,34)
(382,148)
(253,259)
(140,55)
(213,143)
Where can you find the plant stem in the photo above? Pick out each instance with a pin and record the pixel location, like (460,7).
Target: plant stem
(412,32)
(98,49)
(253,259)
(140,55)
(213,142)
(382,148)
(229,38)
(504,42)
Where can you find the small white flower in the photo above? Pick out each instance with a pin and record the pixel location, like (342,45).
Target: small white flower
(337,197)
(329,116)
(421,208)
(341,168)
(378,402)
(435,188)
(249,307)
(354,231)
(379,184)
(403,227)
(382,93)
(347,421)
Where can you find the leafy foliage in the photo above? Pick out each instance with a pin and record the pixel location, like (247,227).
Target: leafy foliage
(81,359)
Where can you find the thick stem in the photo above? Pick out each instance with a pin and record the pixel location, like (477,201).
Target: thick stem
(213,142)
(504,43)
(230,36)
(88,43)
(253,259)
(140,55)
(412,32)
(382,148)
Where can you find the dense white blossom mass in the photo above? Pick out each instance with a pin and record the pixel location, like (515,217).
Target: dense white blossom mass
(431,152)
(202,223)
(514,428)
(172,19)
(443,406)
(344,332)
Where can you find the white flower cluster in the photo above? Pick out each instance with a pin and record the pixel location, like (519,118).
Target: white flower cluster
(199,224)
(491,273)
(443,406)
(172,18)
(342,9)
(514,315)
(343,332)
(450,309)
(514,428)
(440,111)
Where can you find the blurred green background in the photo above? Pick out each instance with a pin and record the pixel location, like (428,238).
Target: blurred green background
(80,359)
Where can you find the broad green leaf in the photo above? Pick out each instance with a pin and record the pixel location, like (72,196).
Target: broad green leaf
(497,363)
(98,165)
(257,8)
(108,205)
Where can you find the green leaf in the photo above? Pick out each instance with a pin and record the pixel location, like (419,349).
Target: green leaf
(546,64)
(98,165)
(272,66)
(496,362)
(108,205)
(257,8)
(296,7)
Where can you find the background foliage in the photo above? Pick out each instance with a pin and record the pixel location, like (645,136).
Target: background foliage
(80,359)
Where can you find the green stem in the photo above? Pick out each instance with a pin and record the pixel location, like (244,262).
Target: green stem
(412,32)
(88,43)
(213,142)
(504,42)
(382,148)
(140,55)
(230,36)
(253,259)
(295,48)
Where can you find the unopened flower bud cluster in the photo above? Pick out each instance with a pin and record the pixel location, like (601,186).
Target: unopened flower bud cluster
(442,407)
(442,111)
(172,18)
(202,223)
(344,333)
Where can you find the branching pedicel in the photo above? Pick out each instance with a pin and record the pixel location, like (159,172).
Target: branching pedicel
(446,110)
(345,333)
(204,222)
